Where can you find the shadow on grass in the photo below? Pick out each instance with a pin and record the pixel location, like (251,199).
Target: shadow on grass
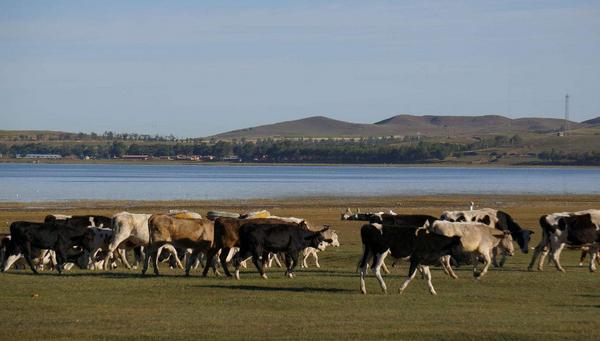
(247,287)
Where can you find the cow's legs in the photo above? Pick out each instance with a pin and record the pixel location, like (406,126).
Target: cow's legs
(593,257)
(191,260)
(364,262)
(427,273)
(27,255)
(223,258)
(304,264)
(146,260)
(237,260)
(259,260)
(316,256)
(582,257)
(445,260)
(555,254)
(383,266)
(291,264)
(494,257)
(379,257)
(210,255)
(412,272)
(539,249)
(487,260)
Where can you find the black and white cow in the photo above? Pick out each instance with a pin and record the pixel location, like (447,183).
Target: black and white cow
(56,235)
(554,238)
(422,247)
(257,240)
(576,229)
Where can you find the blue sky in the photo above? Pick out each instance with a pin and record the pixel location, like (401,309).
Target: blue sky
(195,68)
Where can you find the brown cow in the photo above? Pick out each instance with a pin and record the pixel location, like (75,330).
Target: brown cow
(195,234)
(227,236)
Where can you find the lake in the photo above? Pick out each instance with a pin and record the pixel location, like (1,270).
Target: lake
(55,182)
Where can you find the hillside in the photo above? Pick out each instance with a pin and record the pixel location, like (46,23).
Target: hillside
(428,125)
(593,121)
(316,126)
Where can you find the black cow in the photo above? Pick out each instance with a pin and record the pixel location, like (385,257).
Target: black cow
(415,220)
(423,248)
(26,237)
(259,239)
(83,220)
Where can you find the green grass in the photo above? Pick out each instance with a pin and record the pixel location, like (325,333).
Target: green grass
(318,304)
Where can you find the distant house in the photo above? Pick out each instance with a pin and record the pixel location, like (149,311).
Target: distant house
(42,156)
(135,157)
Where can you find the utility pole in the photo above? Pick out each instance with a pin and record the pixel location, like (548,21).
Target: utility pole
(566,114)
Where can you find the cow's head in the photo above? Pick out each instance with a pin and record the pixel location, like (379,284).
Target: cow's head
(316,239)
(523,237)
(331,239)
(506,244)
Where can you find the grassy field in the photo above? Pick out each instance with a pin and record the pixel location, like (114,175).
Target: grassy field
(325,303)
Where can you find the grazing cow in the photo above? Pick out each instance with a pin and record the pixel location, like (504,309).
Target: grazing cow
(423,248)
(196,234)
(550,225)
(259,239)
(476,238)
(311,251)
(60,236)
(496,219)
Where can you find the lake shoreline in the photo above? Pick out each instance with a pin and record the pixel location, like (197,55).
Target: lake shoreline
(283,164)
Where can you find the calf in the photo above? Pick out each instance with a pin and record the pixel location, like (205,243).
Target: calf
(477,239)
(259,239)
(196,234)
(311,251)
(423,248)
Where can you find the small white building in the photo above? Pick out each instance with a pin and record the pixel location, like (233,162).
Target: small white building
(42,156)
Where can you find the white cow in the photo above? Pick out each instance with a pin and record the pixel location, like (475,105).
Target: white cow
(476,238)
(130,230)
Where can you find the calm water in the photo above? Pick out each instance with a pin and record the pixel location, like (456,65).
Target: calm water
(43,182)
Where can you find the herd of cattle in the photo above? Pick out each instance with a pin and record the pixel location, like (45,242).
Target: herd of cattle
(456,237)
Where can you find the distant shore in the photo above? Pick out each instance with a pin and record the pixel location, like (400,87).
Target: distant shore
(283,164)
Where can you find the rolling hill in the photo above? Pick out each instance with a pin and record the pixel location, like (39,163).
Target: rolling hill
(428,125)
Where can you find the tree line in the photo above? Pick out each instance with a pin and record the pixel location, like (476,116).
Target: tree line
(294,151)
